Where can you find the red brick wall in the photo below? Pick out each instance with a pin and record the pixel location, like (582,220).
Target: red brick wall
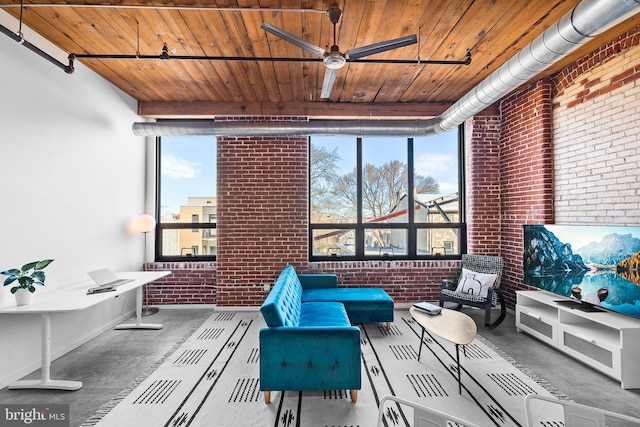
(189,283)
(527,174)
(262,212)
(607,52)
(483,185)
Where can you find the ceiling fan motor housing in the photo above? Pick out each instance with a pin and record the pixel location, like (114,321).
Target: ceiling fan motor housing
(334,59)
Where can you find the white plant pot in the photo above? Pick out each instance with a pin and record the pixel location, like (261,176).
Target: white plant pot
(23,297)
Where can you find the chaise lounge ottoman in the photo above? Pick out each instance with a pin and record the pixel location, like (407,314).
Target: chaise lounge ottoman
(363,305)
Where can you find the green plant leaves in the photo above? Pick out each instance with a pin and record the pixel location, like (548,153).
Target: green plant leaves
(10,280)
(28,266)
(30,274)
(42,264)
(25,281)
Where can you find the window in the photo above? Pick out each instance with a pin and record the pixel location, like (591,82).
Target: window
(361,190)
(186,198)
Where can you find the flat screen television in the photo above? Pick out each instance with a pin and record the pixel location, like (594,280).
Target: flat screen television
(594,266)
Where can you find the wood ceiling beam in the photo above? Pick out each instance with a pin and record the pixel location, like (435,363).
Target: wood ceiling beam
(316,110)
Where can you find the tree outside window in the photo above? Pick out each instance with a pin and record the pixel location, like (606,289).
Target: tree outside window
(361,188)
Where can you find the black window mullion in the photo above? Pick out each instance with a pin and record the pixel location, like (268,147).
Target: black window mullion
(158,210)
(359,226)
(411,231)
(462,196)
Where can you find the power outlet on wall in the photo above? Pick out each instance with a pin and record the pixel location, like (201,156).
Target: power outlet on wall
(266,287)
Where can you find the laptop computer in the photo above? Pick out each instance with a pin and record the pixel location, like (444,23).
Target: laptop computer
(105,278)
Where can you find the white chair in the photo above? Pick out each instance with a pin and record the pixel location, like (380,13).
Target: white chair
(575,414)
(422,416)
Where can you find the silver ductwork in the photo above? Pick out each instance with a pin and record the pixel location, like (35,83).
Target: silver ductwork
(586,20)
(401,128)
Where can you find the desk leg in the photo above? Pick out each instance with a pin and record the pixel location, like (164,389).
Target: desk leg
(421,341)
(45,382)
(139,324)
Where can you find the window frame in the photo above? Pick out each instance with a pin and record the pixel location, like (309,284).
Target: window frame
(411,226)
(161,227)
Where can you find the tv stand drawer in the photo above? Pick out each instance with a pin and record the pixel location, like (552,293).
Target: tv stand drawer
(591,352)
(536,325)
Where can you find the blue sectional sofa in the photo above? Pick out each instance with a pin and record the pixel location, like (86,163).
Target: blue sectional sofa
(307,345)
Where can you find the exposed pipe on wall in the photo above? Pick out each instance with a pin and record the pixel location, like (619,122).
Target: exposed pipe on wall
(586,20)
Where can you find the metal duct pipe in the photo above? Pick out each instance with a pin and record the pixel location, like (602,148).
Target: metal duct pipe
(400,128)
(586,20)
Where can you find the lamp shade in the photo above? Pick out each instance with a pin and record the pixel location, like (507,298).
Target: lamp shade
(141,224)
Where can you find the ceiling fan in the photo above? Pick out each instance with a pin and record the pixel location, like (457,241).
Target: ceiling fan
(334,59)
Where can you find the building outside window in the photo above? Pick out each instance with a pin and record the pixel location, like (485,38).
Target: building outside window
(361,190)
(186,198)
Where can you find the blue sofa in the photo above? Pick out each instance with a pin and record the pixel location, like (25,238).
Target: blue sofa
(307,345)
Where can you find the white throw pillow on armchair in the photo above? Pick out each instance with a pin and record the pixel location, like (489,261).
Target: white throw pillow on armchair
(474,283)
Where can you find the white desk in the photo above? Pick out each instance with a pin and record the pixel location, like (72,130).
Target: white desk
(74,298)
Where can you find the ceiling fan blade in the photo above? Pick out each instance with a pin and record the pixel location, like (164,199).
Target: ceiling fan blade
(309,47)
(327,84)
(361,52)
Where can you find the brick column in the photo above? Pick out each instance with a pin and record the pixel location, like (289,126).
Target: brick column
(526,171)
(483,185)
(262,212)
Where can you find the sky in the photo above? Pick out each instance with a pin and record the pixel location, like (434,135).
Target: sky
(188,167)
(579,236)
(435,156)
(188,163)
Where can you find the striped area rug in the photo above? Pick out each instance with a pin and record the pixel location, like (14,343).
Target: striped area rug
(212,380)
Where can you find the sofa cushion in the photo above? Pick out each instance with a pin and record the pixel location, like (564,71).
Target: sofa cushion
(282,305)
(324,314)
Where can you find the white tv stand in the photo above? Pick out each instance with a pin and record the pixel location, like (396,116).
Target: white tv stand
(606,341)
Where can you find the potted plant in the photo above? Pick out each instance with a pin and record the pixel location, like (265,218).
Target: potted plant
(29,275)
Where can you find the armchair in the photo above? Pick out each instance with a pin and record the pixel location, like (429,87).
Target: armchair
(477,286)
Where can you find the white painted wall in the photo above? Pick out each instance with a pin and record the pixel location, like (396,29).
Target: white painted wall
(71,174)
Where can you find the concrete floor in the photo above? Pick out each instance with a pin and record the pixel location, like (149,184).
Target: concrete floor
(109,363)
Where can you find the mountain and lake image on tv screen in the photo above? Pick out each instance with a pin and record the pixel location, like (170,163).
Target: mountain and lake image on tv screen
(594,264)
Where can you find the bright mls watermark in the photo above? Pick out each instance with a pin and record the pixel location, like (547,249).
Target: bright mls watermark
(34,415)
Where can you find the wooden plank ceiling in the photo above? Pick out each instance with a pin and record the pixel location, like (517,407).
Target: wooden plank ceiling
(491,30)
